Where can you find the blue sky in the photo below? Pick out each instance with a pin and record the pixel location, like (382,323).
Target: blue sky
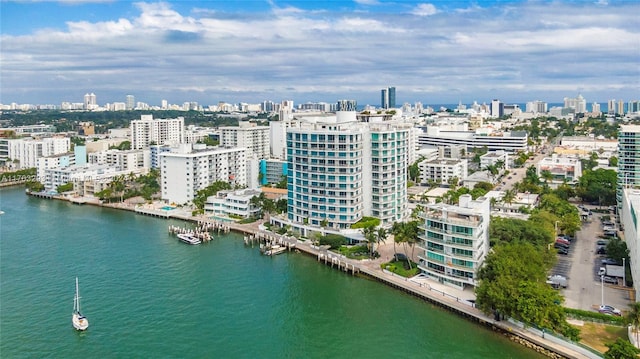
(251,51)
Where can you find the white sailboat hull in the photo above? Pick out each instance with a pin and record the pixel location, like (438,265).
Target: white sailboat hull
(79,322)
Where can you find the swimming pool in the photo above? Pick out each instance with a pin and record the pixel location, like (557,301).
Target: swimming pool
(167,208)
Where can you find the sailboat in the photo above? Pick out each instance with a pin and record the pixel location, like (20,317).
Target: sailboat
(79,321)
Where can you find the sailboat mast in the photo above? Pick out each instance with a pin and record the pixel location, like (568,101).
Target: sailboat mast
(77,296)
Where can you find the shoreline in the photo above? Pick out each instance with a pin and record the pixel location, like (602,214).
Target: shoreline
(427,291)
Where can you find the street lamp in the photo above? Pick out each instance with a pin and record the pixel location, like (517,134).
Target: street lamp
(602,290)
(557,227)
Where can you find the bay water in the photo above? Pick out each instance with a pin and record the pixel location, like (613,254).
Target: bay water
(147,295)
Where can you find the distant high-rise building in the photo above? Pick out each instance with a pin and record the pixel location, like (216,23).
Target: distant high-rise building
(164,104)
(536,107)
(595,107)
(578,104)
(620,107)
(347,105)
(388,97)
(90,101)
(130,102)
(633,106)
(611,107)
(497,108)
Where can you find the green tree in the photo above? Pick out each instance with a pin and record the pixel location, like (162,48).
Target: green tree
(598,186)
(613,161)
(621,349)
(65,187)
(369,234)
(513,283)
(201,197)
(617,249)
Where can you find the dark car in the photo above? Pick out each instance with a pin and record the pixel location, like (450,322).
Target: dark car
(601,250)
(563,251)
(561,245)
(611,280)
(602,242)
(400,257)
(609,261)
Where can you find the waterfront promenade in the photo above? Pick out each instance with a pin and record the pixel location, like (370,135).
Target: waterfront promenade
(452,299)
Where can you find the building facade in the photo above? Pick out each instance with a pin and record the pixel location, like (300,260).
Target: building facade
(340,170)
(628,159)
(147,131)
(187,169)
(455,241)
(254,138)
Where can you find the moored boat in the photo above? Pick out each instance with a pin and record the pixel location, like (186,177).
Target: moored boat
(189,238)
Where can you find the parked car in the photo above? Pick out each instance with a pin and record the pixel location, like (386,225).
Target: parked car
(601,250)
(610,280)
(562,240)
(602,242)
(563,251)
(561,246)
(607,309)
(609,261)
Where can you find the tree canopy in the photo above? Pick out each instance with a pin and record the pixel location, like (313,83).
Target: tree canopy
(598,186)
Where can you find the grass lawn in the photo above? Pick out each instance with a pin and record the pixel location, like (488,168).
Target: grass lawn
(596,335)
(401,268)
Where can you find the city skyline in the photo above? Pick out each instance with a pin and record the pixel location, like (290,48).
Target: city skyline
(439,52)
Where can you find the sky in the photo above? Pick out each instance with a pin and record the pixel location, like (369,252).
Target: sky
(438,52)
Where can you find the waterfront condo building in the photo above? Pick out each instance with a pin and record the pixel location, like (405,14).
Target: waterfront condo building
(189,168)
(147,131)
(629,221)
(25,152)
(455,240)
(254,138)
(340,170)
(628,159)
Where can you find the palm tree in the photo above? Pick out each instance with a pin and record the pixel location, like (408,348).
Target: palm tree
(396,230)
(381,236)
(369,237)
(633,317)
(509,196)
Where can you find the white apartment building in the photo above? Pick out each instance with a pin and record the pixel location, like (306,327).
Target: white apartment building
(494,158)
(455,241)
(629,207)
(128,160)
(628,159)
(190,168)
(24,152)
(248,135)
(563,169)
(340,170)
(147,131)
(441,170)
(578,104)
(233,203)
(514,141)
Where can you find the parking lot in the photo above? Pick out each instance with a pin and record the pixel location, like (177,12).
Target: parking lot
(580,266)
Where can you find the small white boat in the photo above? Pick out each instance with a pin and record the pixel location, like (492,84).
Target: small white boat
(275,249)
(79,321)
(189,238)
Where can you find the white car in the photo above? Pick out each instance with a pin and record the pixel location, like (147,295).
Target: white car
(607,309)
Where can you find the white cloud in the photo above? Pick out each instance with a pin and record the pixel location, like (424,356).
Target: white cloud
(533,50)
(424,10)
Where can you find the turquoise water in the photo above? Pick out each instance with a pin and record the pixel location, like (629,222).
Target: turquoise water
(221,219)
(167,208)
(147,295)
